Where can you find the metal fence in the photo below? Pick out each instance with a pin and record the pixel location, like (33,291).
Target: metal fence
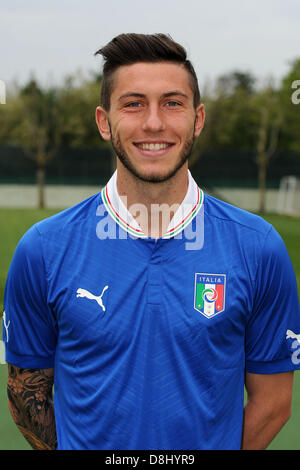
(90,166)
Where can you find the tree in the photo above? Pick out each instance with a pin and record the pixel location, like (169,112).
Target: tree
(38,130)
(278,125)
(290,135)
(270,122)
(79,98)
(235,81)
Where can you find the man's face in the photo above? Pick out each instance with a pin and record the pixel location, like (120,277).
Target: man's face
(152,122)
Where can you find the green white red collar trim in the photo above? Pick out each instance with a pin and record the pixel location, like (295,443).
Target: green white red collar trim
(183,216)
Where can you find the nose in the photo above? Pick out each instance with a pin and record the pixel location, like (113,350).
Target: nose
(153,120)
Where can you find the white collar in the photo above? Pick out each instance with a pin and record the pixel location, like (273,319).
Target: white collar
(185,213)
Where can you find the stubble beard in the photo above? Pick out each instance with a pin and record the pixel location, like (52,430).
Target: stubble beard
(125,160)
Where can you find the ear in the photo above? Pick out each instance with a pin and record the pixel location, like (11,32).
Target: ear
(103,123)
(200,119)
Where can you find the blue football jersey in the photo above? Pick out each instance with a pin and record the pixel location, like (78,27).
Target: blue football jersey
(150,339)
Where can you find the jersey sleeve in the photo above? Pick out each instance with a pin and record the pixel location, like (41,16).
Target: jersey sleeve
(273,329)
(29,327)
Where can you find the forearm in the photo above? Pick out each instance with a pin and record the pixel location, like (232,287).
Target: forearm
(31,406)
(261,424)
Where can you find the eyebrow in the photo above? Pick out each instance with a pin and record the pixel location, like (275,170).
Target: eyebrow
(141,95)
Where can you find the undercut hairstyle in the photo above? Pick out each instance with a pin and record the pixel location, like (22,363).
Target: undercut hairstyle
(127,49)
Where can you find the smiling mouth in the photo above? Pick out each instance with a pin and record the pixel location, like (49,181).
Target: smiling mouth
(153,146)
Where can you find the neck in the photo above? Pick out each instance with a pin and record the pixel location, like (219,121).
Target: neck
(152,204)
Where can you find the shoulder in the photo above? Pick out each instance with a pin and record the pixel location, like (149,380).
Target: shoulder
(71,217)
(251,232)
(58,227)
(222,213)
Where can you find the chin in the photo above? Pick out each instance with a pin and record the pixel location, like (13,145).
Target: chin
(152,176)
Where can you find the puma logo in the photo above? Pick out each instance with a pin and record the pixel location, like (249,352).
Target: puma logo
(291,334)
(6,325)
(89,295)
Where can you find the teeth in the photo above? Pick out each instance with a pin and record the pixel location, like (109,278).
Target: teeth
(153,146)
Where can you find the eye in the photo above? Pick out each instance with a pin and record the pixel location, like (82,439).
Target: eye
(173,104)
(133,104)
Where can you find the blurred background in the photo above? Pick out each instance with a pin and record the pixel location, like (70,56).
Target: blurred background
(247,58)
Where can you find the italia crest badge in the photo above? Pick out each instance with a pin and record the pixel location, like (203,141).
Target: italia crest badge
(209,294)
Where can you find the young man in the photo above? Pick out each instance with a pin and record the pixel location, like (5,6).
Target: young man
(151,305)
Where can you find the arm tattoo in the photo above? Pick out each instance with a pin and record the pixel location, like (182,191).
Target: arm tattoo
(31,406)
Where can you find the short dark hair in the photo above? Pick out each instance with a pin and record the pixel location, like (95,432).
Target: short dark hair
(127,49)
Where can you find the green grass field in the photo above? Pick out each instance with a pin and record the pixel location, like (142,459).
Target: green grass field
(14,222)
